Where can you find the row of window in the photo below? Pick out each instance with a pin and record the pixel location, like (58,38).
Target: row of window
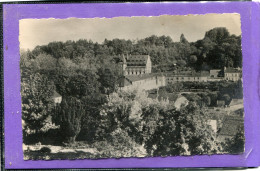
(189,78)
(135,72)
(232,79)
(135,64)
(233,75)
(135,60)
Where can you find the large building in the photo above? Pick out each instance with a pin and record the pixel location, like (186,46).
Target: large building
(232,74)
(136,73)
(136,64)
(187,77)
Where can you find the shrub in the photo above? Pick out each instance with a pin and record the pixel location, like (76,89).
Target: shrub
(45,150)
(119,144)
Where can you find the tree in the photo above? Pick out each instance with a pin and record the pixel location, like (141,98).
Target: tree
(217,34)
(182,132)
(36,92)
(66,64)
(24,59)
(68,116)
(236,144)
(181,63)
(44,62)
(183,39)
(83,84)
(125,110)
(108,79)
(226,98)
(193,59)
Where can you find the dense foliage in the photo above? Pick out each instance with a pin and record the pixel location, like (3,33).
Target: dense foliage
(217,49)
(95,111)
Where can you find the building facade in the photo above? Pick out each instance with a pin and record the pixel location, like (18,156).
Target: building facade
(56,97)
(143,82)
(136,64)
(232,74)
(186,77)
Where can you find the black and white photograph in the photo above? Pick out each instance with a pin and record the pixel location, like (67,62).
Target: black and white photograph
(121,87)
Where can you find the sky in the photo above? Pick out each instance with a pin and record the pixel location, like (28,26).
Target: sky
(35,32)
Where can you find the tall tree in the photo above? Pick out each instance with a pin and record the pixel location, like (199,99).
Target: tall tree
(183,39)
(36,92)
(68,116)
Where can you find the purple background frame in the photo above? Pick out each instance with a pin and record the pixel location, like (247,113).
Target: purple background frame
(250,21)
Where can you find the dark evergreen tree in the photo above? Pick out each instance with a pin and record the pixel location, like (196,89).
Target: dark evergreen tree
(183,39)
(68,116)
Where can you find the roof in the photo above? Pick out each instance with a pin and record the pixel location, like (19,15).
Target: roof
(215,70)
(124,82)
(134,78)
(236,102)
(230,126)
(129,79)
(136,60)
(55,94)
(232,70)
(136,66)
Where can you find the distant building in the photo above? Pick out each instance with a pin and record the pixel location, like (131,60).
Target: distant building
(214,73)
(181,101)
(144,82)
(56,97)
(136,64)
(230,127)
(187,77)
(232,74)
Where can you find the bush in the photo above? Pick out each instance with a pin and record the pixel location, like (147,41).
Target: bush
(45,150)
(118,144)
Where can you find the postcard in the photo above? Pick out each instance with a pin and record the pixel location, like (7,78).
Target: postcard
(94,88)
